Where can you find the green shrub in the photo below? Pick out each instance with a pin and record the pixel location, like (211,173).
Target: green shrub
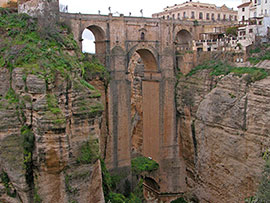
(116,198)
(232,31)
(179,200)
(28,146)
(141,164)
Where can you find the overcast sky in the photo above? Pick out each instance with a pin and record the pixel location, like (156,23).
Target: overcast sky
(125,6)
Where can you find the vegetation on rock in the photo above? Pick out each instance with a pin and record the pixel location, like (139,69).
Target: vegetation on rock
(50,55)
(179,200)
(143,164)
(221,68)
(89,152)
(139,165)
(6,181)
(259,53)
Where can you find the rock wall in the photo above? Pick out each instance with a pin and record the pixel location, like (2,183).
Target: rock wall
(63,116)
(223,126)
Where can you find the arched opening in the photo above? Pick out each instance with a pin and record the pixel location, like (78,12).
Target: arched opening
(88,42)
(183,40)
(143,76)
(93,42)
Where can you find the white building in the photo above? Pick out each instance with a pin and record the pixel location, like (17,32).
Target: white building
(254,20)
(262,7)
(244,11)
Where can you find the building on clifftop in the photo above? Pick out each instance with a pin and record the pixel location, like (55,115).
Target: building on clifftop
(197,11)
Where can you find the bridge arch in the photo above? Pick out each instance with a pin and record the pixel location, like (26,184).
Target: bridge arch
(99,41)
(148,54)
(183,39)
(145,80)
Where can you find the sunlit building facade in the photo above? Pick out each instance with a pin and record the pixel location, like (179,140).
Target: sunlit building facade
(197,11)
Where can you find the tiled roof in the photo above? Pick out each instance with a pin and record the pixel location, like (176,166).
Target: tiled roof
(244,5)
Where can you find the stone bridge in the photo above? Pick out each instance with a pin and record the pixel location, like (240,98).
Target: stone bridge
(149,127)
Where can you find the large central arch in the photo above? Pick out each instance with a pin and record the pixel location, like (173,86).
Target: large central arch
(149,104)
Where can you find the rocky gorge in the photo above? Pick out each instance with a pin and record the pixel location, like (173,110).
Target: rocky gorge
(54,126)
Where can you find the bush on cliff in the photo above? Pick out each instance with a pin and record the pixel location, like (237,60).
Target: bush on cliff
(143,164)
(221,68)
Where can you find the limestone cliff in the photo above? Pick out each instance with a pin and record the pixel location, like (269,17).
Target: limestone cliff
(50,116)
(223,126)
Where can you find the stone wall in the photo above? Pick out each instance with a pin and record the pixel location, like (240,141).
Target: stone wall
(39,8)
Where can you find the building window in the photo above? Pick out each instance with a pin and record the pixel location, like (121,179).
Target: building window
(192,14)
(184,15)
(168,17)
(266,1)
(255,14)
(200,15)
(265,12)
(259,2)
(218,17)
(207,16)
(255,1)
(173,16)
(235,18)
(243,18)
(243,9)
(163,17)
(142,36)
(224,17)
(261,11)
(178,16)
(213,16)
(250,31)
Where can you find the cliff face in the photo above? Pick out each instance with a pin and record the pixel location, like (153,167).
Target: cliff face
(50,116)
(223,126)
(63,119)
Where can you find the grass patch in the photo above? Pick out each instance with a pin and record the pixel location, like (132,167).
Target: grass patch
(89,152)
(23,44)
(53,104)
(261,57)
(220,68)
(11,97)
(93,69)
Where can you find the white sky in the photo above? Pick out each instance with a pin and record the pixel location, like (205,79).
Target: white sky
(125,6)
(134,6)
